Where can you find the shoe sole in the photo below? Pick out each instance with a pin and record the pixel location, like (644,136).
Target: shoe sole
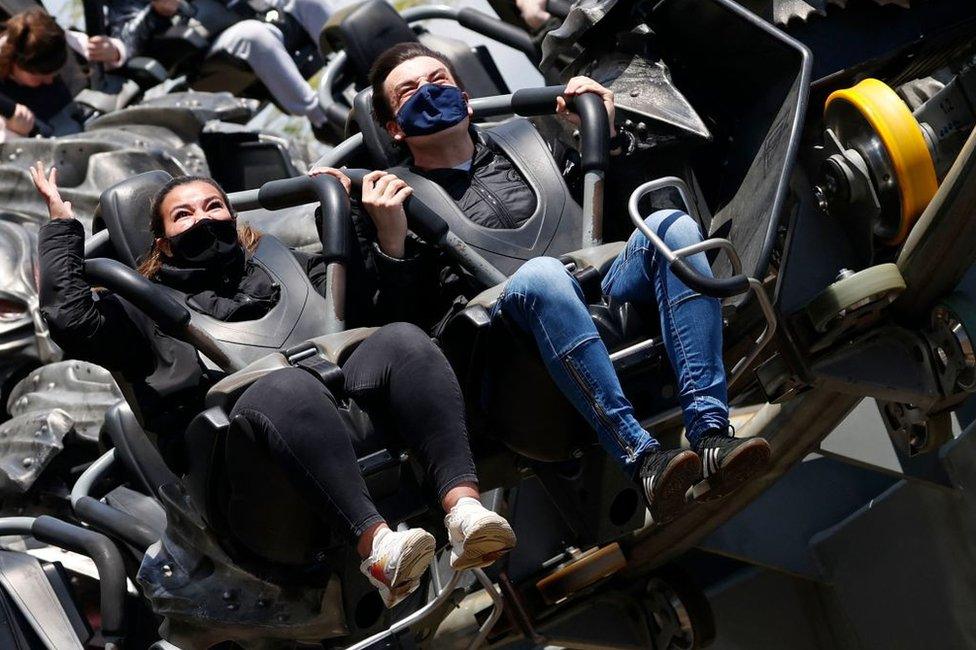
(484,545)
(417,556)
(738,468)
(673,484)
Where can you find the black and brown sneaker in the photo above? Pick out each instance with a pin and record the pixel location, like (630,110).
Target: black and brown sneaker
(728,462)
(666,476)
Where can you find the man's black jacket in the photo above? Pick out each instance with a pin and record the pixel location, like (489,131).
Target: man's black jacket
(424,288)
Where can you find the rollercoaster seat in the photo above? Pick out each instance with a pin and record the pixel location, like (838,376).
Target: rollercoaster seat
(366,30)
(268,526)
(479,345)
(299,313)
(219,458)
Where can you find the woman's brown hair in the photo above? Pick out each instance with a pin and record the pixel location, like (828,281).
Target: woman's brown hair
(149,265)
(33,41)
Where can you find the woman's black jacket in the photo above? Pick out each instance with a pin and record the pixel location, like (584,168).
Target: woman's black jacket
(165,373)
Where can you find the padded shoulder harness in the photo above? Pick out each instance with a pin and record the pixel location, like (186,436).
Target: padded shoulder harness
(553,229)
(298,316)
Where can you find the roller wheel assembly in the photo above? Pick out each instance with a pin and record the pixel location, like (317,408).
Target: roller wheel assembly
(855,294)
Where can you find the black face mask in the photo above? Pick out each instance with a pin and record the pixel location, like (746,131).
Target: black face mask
(205,243)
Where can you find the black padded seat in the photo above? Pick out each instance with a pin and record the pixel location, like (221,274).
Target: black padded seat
(123,210)
(383,152)
(364,31)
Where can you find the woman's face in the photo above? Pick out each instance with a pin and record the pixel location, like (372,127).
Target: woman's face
(31,79)
(187,204)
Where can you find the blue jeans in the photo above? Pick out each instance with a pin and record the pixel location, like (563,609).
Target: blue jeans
(545,301)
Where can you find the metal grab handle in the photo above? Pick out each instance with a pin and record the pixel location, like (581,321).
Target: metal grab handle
(714,287)
(336,113)
(102,516)
(107,558)
(479,22)
(594,141)
(559,8)
(162,308)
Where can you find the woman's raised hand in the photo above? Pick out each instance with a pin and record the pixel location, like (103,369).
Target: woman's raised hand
(47,187)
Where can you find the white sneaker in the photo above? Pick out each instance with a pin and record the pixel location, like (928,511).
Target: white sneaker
(397,562)
(478,535)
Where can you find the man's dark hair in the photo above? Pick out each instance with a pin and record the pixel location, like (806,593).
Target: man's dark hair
(386,63)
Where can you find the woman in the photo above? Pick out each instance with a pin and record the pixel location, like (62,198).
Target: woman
(397,376)
(33,49)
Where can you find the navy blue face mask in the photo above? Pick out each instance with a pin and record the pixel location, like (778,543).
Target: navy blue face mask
(431,109)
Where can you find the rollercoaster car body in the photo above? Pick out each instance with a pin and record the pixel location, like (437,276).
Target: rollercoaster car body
(828,200)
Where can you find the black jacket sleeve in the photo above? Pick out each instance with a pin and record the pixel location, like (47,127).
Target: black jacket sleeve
(407,289)
(96,330)
(134,22)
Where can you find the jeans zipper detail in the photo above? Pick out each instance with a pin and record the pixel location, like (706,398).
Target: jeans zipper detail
(600,413)
(495,205)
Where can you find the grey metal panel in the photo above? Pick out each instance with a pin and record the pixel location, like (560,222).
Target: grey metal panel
(23,578)
(903,567)
(763,610)
(775,530)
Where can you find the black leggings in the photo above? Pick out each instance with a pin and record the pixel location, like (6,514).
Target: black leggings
(402,381)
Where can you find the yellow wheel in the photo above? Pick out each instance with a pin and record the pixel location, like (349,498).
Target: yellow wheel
(902,168)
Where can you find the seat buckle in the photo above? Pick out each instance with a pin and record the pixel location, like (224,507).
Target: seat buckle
(324,370)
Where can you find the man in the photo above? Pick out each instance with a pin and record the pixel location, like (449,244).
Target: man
(417,97)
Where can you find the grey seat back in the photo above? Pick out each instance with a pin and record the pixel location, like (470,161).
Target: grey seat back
(123,209)
(364,31)
(299,314)
(553,229)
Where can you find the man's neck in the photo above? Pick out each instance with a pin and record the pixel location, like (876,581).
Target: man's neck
(450,152)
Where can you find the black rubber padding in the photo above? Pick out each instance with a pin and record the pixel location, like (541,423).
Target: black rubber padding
(594,122)
(333,200)
(536,101)
(594,131)
(108,561)
(42,129)
(116,523)
(713,287)
(159,306)
(498,30)
(423,221)
(7,106)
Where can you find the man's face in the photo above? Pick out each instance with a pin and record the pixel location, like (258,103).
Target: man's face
(405,79)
